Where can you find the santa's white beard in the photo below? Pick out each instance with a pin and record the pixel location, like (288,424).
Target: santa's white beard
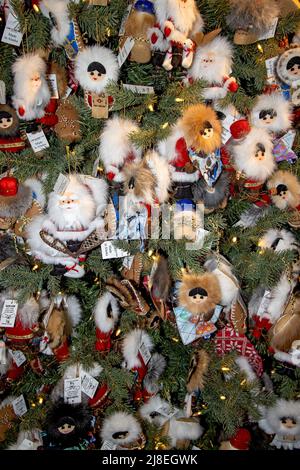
(79,216)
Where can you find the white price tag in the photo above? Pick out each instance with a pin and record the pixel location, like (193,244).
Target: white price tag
(127,262)
(145,353)
(26,445)
(19,406)
(125,50)
(38,140)
(264,303)
(72,390)
(61,184)
(124,19)
(2,92)
(18,357)
(271,70)
(68,92)
(141,89)
(9,312)
(270,32)
(109,251)
(89,384)
(52,82)
(167,410)
(12,33)
(107,445)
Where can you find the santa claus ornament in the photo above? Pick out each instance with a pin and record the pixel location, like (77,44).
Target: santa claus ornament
(250,19)
(288,70)
(122,431)
(95,67)
(72,226)
(10,140)
(213,63)
(31,90)
(283,420)
(106,317)
(177,32)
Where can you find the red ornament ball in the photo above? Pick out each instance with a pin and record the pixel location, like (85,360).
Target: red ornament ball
(9,186)
(240,129)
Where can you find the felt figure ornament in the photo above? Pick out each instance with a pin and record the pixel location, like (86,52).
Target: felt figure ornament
(10,140)
(72,226)
(271,112)
(288,70)
(176,33)
(95,66)
(284,188)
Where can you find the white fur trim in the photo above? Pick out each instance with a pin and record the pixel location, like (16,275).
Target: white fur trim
(178,176)
(131,345)
(103,322)
(99,54)
(99,190)
(275,101)
(287,241)
(185,16)
(161,44)
(214,93)
(152,405)
(245,367)
(37,187)
(166,147)
(118,422)
(279,296)
(184,430)
(229,288)
(59,9)
(160,170)
(271,422)
(28,312)
(74,310)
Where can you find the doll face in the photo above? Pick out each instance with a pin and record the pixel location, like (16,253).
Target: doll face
(207,60)
(288,422)
(293,67)
(67,426)
(282,191)
(120,435)
(36,81)
(260,152)
(198,295)
(207,132)
(96,71)
(267,116)
(6,121)
(69,201)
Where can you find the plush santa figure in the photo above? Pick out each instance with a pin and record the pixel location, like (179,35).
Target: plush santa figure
(212,63)
(10,139)
(177,32)
(239,441)
(106,317)
(116,134)
(95,66)
(73,225)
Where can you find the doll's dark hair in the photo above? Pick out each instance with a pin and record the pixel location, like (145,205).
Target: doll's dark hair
(293,61)
(96,66)
(5,115)
(64,413)
(266,112)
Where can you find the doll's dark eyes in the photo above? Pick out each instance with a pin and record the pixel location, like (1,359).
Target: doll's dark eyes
(7,120)
(288,420)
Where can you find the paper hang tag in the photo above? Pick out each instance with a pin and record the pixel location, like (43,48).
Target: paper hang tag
(107,445)
(18,357)
(3,357)
(38,140)
(271,70)
(12,33)
(52,82)
(89,384)
(109,251)
(141,89)
(19,406)
(86,178)
(289,138)
(270,32)
(167,410)
(2,92)
(8,314)
(265,302)
(99,106)
(144,352)
(26,445)
(125,50)
(127,261)
(72,390)
(124,19)
(61,184)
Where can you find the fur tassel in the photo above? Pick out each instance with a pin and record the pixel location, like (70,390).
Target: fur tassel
(120,428)
(160,171)
(285,190)
(74,310)
(246,368)
(16,206)
(278,240)
(199,294)
(198,368)
(37,189)
(259,14)
(182,428)
(272,112)
(131,344)
(102,56)
(228,282)
(106,312)
(161,280)
(156,367)
(99,190)
(211,197)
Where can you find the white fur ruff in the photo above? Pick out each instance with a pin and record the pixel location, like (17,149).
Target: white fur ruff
(103,322)
(59,9)
(160,170)
(118,422)
(276,102)
(131,344)
(27,313)
(271,422)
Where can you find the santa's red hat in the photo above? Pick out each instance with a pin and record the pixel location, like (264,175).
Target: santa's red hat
(240,129)
(241,439)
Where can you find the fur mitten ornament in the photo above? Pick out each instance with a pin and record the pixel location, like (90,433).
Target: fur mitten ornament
(72,226)
(250,19)
(10,140)
(95,66)
(31,90)
(213,63)
(122,431)
(283,420)
(177,32)
(106,317)
(288,70)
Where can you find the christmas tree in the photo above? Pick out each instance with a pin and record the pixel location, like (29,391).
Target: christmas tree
(149,210)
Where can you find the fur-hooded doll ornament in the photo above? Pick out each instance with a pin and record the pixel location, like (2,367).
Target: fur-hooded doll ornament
(177,32)
(213,63)
(106,316)
(31,91)
(122,431)
(283,420)
(69,427)
(65,31)
(288,70)
(271,112)
(116,135)
(20,203)
(95,67)
(72,226)
(250,19)
(10,139)
(284,188)
(198,299)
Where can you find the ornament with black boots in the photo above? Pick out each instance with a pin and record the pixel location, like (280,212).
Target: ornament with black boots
(95,66)
(72,226)
(10,139)
(69,427)
(177,32)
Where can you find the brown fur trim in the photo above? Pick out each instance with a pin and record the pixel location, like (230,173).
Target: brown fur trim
(194,121)
(144,181)
(161,281)
(206,281)
(58,328)
(61,78)
(293,187)
(13,129)
(198,368)
(287,328)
